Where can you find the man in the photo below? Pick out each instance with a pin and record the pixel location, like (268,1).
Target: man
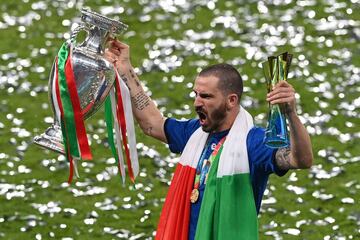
(219,182)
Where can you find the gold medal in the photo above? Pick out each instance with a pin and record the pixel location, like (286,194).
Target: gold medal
(194,195)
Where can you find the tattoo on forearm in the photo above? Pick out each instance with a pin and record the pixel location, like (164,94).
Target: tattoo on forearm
(282,158)
(141,100)
(132,74)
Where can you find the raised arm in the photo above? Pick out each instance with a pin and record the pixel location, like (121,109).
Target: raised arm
(299,155)
(145,111)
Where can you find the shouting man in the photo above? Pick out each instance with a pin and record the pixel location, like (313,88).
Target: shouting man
(219,182)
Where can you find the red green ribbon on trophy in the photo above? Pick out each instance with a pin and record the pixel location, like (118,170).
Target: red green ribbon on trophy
(118,116)
(118,107)
(72,123)
(60,113)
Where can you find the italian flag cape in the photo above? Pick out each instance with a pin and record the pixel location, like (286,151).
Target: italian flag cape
(228,209)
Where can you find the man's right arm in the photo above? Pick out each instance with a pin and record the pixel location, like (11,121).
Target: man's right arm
(145,111)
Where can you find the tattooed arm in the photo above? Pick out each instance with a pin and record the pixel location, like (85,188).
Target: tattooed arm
(145,111)
(299,155)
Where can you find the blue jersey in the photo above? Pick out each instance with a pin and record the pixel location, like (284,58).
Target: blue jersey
(261,159)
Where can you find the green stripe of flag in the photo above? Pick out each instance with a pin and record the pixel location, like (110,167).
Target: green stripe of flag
(228,209)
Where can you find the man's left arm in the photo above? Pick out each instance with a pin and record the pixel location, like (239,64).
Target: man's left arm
(299,154)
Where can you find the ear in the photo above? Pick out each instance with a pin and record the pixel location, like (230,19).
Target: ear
(232,100)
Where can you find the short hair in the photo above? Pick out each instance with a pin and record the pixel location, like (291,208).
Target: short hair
(230,80)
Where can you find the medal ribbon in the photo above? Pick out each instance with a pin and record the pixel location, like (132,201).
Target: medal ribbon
(201,173)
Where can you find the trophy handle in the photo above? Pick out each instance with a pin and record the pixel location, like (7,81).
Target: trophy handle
(76,31)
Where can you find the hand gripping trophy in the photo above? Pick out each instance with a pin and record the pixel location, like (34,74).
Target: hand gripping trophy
(80,81)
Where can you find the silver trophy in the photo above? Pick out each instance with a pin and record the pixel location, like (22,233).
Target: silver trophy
(94,75)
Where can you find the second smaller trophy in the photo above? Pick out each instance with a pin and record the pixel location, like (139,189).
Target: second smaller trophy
(275,70)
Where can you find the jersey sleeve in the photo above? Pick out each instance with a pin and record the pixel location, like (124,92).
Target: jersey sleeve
(178,132)
(262,158)
(261,163)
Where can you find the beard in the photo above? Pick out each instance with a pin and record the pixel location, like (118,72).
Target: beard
(213,121)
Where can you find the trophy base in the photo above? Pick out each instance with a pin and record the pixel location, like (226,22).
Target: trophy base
(276,142)
(51,139)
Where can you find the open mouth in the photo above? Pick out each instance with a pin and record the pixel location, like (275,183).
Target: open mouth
(202,117)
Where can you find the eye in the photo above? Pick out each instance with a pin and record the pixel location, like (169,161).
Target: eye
(205,95)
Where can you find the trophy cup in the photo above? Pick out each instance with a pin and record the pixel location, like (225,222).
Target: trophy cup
(275,70)
(94,75)
(81,80)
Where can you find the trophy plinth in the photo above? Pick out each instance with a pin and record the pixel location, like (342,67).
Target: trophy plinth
(276,135)
(51,139)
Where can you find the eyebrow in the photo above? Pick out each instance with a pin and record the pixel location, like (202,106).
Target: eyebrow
(203,94)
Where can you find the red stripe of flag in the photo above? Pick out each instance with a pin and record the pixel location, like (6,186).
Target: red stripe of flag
(175,215)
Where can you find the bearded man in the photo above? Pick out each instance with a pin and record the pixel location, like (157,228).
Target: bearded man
(219,182)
